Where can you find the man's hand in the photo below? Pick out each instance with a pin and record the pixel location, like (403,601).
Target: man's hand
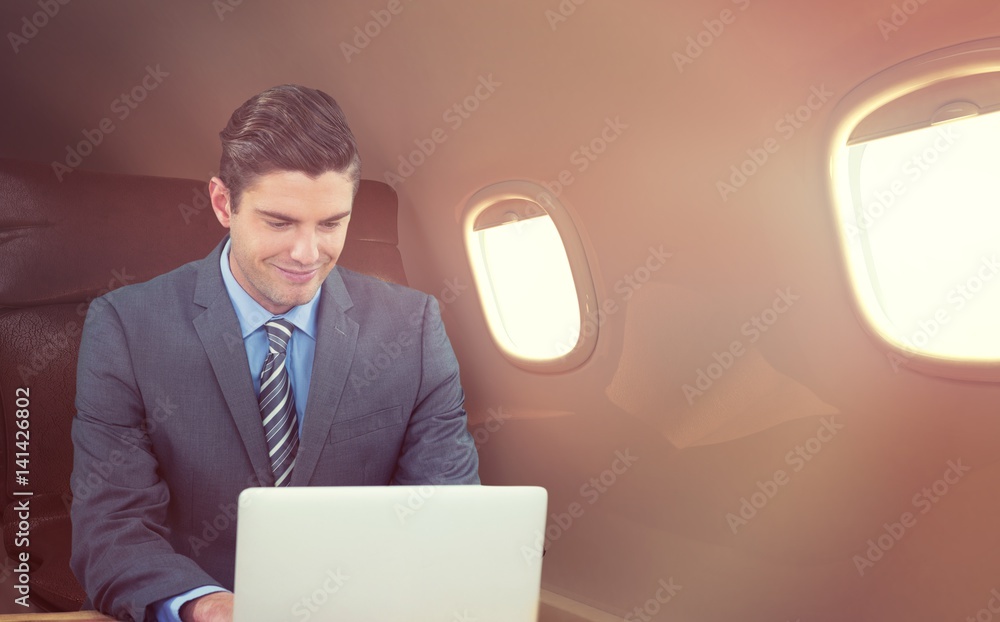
(214,607)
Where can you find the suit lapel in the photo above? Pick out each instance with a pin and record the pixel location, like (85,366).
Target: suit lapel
(219,331)
(336,340)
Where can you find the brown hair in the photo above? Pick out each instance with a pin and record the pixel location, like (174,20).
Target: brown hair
(286,128)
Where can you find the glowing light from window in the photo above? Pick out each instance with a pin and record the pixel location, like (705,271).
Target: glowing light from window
(530,284)
(923,236)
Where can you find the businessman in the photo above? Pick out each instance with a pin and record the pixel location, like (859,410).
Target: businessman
(247,368)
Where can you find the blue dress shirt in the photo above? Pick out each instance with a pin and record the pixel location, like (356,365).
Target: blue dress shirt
(299,359)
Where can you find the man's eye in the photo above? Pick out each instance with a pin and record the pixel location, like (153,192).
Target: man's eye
(332,225)
(279,224)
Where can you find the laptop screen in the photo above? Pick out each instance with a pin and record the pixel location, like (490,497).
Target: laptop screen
(399,553)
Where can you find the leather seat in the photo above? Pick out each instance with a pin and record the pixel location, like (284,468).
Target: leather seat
(64,244)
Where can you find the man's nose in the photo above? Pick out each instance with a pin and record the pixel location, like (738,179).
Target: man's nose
(305,251)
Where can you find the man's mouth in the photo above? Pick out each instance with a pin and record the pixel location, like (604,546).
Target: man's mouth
(297,276)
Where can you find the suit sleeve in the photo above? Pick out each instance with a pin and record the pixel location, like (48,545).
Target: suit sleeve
(438,448)
(120,552)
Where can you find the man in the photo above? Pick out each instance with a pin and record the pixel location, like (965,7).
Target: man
(246,369)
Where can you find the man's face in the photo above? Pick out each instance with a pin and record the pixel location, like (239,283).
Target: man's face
(287,234)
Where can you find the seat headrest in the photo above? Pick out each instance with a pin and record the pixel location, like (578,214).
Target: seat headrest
(75,239)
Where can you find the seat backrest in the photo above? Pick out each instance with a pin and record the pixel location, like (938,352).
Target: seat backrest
(64,244)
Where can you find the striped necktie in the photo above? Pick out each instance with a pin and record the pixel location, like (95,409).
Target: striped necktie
(277,404)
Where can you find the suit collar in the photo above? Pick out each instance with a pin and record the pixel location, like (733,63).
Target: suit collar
(335,292)
(336,341)
(219,331)
(209,286)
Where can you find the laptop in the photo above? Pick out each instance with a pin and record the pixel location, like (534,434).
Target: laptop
(390,554)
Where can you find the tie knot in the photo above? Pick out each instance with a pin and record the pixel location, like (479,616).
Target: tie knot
(279,331)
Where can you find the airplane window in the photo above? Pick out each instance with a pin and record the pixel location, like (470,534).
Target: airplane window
(914,153)
(526,276)
(532,286)
(925,228)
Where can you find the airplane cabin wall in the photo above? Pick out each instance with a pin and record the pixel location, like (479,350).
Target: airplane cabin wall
(814,380)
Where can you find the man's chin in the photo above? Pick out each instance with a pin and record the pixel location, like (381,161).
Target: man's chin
(291,294)
(296,298)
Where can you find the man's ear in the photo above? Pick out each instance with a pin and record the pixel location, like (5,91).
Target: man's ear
(221,205)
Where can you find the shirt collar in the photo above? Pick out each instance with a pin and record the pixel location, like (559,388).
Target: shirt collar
(252,315)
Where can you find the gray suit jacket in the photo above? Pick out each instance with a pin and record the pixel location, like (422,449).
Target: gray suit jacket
(168,430)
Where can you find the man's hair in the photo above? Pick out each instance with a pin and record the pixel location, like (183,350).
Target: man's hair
(286,128)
